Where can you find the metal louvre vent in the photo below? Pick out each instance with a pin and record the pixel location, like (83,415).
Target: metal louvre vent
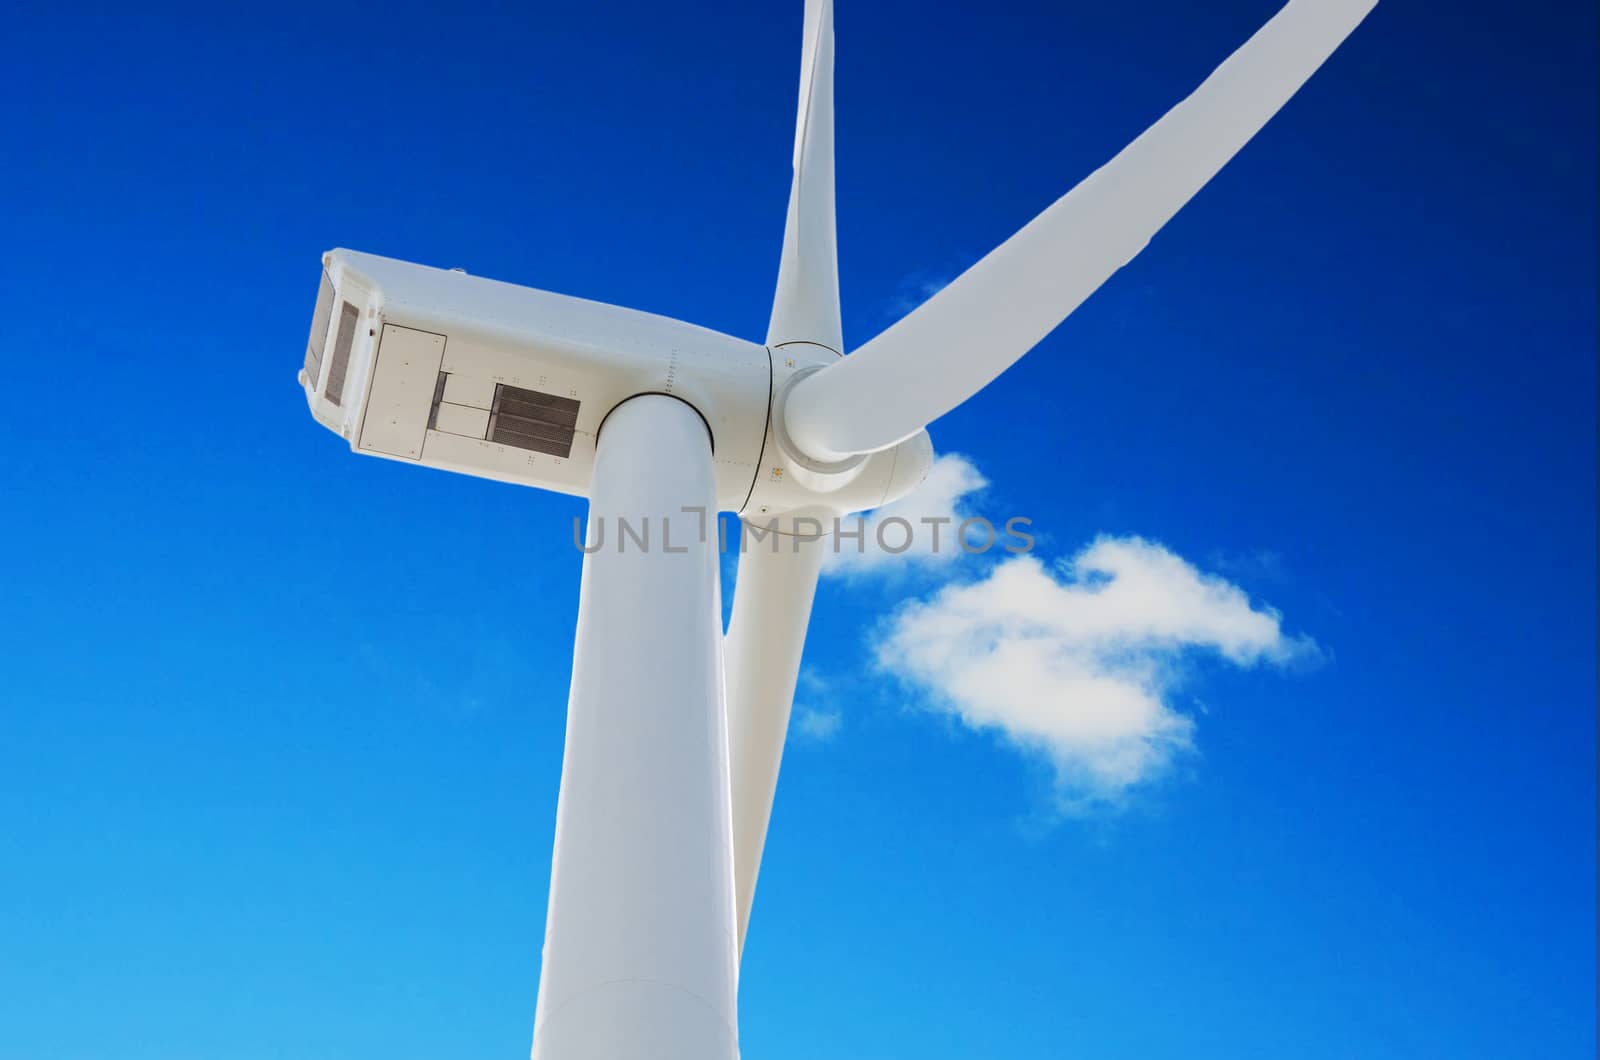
(528,419)
(349,316)
(319,331)
(438,396)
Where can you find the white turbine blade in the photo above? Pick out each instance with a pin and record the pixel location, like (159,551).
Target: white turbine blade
(639,955)
(772,597)
(806,307)
(954,344)
(771,609)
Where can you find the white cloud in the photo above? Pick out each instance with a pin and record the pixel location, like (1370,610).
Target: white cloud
(819,726)
(934,512)
(916,289)
(1081,665)
(814,724)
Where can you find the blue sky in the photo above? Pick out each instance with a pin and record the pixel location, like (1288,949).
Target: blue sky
(281,727)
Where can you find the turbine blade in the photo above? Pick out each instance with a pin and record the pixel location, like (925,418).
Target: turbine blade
(806,307)
(964,336)
(771,610)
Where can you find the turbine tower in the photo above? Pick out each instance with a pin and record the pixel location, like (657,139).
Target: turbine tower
(675,732)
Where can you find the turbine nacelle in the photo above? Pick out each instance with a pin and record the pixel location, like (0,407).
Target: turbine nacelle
(435,367)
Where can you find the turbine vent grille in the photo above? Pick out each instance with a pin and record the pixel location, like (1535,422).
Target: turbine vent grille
(349,316)
(319,332)
(528,419)
(438,396)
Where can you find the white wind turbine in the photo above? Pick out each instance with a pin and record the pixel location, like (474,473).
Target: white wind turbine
(674,733)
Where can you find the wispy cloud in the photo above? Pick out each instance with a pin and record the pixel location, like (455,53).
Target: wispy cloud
(819,726)
(814,724)
(1080,664)
(915,289)
(1262,565)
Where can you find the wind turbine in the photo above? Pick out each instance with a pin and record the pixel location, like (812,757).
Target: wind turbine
(675,732)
